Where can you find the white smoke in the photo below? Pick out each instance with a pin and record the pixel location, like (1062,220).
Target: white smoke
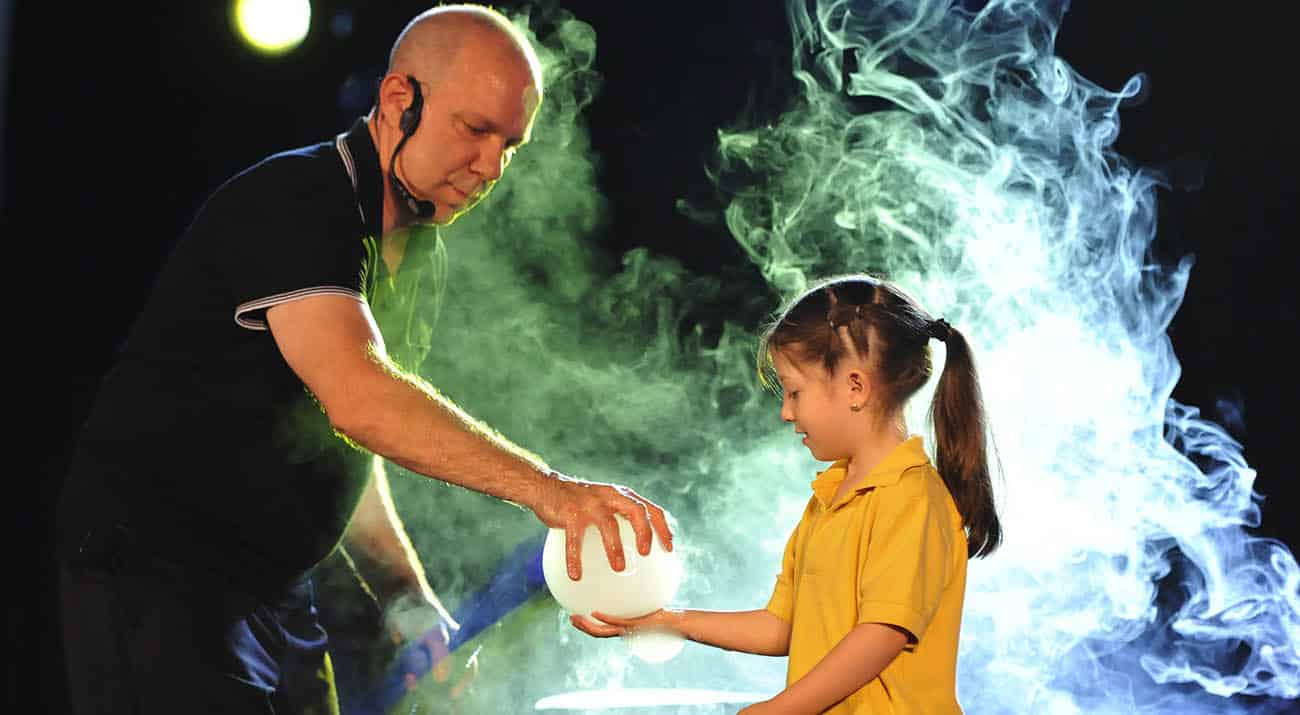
(1127,582)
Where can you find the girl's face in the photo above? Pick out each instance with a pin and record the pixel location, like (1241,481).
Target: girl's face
(817,404)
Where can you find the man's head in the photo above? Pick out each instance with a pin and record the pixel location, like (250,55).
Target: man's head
(481,85)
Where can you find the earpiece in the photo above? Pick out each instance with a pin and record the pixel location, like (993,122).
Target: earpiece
(408,122)
(410,118)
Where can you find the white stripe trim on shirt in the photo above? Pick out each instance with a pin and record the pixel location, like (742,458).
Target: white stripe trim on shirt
(341,144)
(264,303)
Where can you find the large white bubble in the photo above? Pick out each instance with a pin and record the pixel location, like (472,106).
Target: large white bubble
(646,583)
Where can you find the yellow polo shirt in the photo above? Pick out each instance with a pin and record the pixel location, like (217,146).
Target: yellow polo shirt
(891,551)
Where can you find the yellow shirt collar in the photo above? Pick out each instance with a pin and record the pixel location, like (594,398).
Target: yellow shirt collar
(910,453)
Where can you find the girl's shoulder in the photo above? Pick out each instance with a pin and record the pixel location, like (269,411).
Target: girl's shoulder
(918,482)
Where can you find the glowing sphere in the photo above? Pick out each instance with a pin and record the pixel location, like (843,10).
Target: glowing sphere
(646,584)
(273,26)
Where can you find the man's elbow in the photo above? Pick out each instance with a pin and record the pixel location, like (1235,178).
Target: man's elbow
(352,425)
(357,411)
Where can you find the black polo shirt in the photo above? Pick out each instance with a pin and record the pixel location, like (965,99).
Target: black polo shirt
(201,438)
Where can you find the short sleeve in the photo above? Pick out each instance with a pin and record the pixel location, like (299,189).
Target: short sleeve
(781,604)
(285,230)
(907,564)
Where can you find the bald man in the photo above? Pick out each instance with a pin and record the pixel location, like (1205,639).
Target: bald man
(220,463)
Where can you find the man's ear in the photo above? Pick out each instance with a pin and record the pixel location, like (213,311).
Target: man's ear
(394,97)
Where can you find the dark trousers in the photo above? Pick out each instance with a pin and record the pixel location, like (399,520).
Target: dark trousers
(144,637)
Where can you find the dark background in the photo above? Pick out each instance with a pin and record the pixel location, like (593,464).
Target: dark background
(119,118)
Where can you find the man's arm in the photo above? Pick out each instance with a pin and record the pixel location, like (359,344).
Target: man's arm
(332,343)
(388,563)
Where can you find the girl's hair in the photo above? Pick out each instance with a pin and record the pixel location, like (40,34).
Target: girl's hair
(891,333)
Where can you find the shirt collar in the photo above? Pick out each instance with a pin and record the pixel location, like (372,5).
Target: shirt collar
(910,453)
(370,179)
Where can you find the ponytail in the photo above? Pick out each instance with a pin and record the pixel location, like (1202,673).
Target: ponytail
(961,450)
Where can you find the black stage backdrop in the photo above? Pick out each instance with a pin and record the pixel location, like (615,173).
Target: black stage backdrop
(121,117)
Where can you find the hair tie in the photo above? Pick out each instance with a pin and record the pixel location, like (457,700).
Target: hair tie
(939,330)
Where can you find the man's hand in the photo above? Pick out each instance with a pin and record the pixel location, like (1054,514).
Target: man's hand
(412,619)
(573,505)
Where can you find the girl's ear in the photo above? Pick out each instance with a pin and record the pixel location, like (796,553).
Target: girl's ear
(856,380)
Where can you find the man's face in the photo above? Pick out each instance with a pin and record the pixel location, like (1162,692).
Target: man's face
(475,116)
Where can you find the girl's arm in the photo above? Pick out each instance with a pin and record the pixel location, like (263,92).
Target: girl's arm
(760,632)
(851,664)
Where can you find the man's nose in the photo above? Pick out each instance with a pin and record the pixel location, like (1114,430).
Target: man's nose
(491,161)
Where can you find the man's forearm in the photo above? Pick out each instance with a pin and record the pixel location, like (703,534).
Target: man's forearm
(385,558)
(406,421)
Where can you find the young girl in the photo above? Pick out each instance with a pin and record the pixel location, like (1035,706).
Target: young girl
(868,603)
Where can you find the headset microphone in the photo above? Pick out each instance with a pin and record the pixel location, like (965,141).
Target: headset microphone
(409,120)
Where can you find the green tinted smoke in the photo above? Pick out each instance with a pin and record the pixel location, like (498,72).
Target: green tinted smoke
(588,361)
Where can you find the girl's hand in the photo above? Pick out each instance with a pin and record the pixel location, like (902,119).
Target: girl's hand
(608,626)
(764,708)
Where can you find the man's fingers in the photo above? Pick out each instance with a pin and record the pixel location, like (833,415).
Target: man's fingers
(609,536)
(659,518)
(635,511)
(647,519)
(573,535)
